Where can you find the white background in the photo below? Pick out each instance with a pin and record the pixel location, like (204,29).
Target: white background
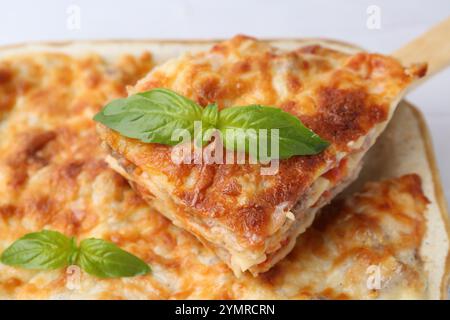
(401,21)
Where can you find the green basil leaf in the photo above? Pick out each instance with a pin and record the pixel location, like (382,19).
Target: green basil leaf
(156,115)
(105,260)
(151,116)
(294,137)
(45,250)
(210,117)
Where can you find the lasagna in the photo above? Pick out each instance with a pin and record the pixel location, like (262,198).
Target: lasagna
(251,221)
(53,176)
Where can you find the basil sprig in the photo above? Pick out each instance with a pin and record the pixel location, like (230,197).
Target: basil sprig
(154,115)
(49,250)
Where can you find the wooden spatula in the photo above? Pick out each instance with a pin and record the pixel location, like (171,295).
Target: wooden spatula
(432,47)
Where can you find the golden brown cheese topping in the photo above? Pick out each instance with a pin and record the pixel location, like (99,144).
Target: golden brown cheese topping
(52,171)
(341,97)
(363,247)
(53,176)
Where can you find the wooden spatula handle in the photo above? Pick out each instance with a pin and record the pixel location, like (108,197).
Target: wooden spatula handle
(432,47)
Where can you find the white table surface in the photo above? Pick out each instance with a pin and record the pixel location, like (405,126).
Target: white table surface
(400,22)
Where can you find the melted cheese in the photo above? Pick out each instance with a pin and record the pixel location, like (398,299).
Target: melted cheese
(232,208)
(53,175)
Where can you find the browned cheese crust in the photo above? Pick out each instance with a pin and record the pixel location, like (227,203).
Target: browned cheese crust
(382,227)
(53,176)
(52,169)
(341,97)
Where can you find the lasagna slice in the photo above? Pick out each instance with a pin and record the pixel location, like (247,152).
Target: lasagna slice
(251,220)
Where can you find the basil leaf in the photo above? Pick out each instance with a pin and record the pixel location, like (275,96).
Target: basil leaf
(105,260)
(45,250)
(294,137)
(154,116)
(151,116)
(210,117)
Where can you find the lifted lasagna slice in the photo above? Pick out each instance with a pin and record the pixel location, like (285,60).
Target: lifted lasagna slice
(251,220)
